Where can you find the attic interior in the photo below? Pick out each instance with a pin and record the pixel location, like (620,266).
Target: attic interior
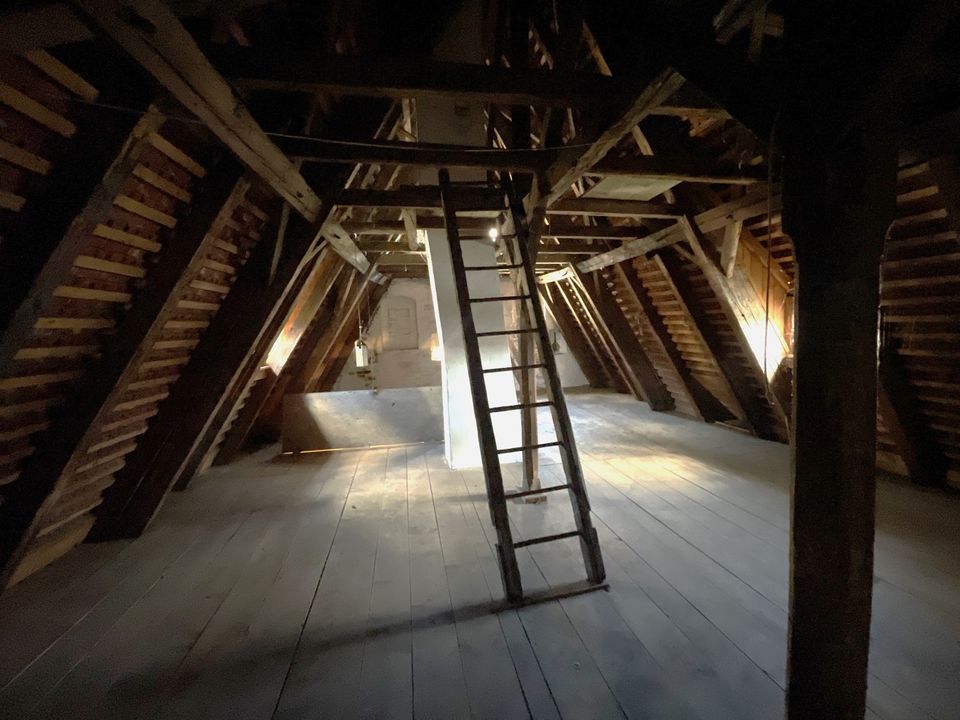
(313,312)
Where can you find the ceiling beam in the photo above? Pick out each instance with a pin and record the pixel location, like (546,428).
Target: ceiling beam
(422,197)
(572,164)
(635,248)
(556,229)
(611,207)
(319,150)
(679,169)
(154,37)
(564,247)
(307,71)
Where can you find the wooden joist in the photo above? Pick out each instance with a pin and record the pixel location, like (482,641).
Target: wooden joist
(573,163)
(425,197)
(613,208)
(40,114)
(634,248)
(27,314)
(678,169)
(23,512)
(625,342)
(905,423)
(23,158)
(415,154)
(705,404)
(226,356)
(61,74)
(168,52)
(304,70)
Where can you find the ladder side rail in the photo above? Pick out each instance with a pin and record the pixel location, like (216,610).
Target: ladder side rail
(510,571)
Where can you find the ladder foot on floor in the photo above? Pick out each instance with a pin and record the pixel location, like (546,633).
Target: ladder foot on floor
(557,592)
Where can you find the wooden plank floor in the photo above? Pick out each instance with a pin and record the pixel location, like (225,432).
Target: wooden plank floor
(359,584)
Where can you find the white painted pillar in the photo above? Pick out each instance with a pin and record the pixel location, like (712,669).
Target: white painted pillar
(441,120)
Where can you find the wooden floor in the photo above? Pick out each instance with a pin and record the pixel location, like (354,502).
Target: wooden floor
(360,584)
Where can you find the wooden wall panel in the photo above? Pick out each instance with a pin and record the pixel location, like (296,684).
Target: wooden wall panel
(920,303)
(88,285)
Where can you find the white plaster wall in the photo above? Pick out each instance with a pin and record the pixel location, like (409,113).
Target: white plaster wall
(414,367)
(392,368)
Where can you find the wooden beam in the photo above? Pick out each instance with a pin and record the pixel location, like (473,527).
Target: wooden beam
(839,199)
(341,242)
(574,162)
(730,364)
(307,71)
(223,355)
(613,208)
(625,342)
(678,169)
(63,448)
(319,150)
(733,305)
(683,40)
(736,15)
(707,406)
(80,195)
(556,229)
(634,248)
(566,292)
(316,363)
(154,37)
(425,197)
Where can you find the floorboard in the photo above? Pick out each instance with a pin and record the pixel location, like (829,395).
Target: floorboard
(364,585)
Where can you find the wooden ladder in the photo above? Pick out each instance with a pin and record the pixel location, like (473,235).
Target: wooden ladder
(461,198)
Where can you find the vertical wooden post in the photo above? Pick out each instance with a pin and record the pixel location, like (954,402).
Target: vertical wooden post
(839,189)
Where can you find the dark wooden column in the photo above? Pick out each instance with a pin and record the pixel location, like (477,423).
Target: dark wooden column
(839,188)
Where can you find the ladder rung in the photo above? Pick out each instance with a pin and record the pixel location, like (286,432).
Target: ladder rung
(499,298)
(521,448)
(518,331)
(520,406)
(547,538)
(476,268)
(509,368)
(538,491)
